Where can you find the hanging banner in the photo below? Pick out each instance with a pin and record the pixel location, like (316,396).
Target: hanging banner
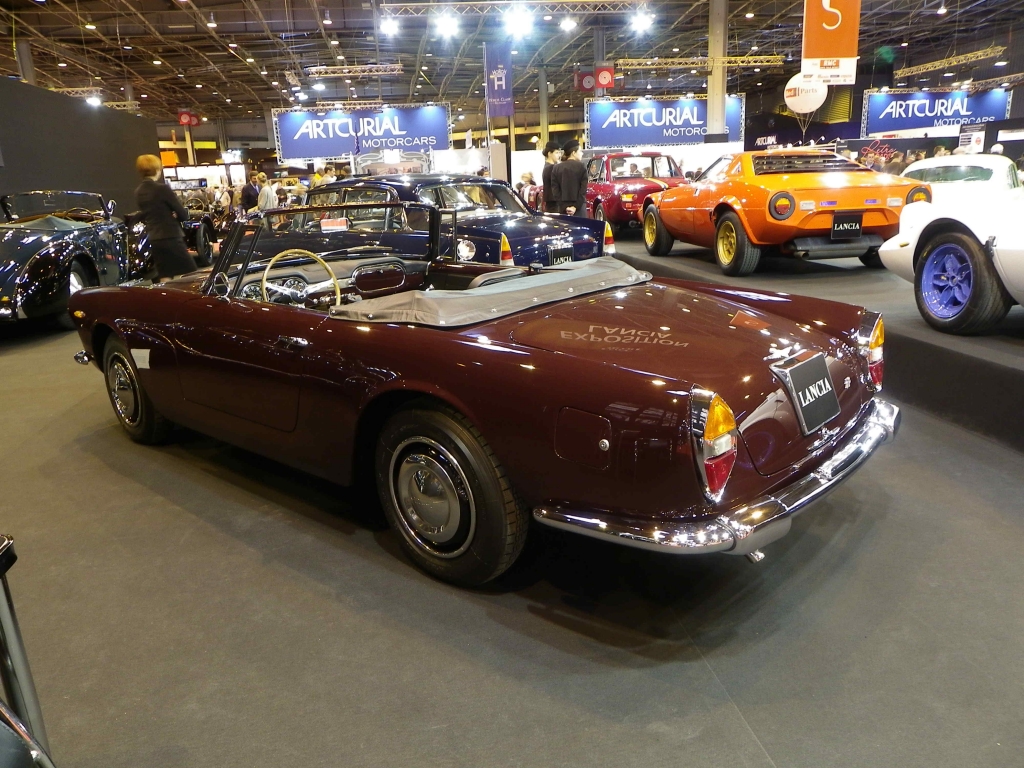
(308,134)
(646,122)
(831,33)
(498,79)
(891,112)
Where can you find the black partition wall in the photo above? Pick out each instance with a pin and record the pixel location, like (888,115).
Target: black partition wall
(52,141)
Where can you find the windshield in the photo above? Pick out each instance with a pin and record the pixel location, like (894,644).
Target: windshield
(942,174)
(479,198)
(22,205)
(661,166)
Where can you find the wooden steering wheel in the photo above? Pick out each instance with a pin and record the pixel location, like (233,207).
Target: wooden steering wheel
(308,255)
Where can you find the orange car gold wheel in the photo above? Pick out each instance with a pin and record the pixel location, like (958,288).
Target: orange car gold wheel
(650,228)
(725,242)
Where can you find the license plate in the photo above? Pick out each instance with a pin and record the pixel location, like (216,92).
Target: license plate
(846,226)
(810,387)
(559,255)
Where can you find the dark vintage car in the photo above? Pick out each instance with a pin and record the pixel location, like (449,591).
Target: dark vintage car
(709,416)
(621,183)
(495,226)
(52,244)
(201,228)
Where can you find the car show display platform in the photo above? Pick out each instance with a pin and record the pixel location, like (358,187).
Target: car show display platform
(975,381)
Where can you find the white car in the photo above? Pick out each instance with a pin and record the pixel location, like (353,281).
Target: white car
(964,250)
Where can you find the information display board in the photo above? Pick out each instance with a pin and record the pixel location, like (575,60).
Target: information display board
(661,121)
(305,135)
(892,112)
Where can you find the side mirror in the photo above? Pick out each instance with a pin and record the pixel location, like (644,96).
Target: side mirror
(220,287)
(111,205)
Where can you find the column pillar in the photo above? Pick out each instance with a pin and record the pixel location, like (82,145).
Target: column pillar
(222,135)
(598,53)
(190,148)
(26,68)
(718,28)
(542,104)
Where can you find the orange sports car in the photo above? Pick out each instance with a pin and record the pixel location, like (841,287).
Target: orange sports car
(811,204)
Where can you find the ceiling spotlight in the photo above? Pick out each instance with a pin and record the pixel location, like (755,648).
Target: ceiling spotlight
(341,58)
(900,85)
(157,62)
(642,22)
(291,98)
(547,18)
(948,74)
(462,117)
(205,119)
(693,71)
(232,45)
(758,84)
(757,69)
(389,26)
(127,47)
(296,87)
(274,82)
(419,86)
(748,15)
(904,44)
(675,50)
(885,89)
(514,53)
(335,42)
(199,85)
(753,47)
(942,10)
(518,22)
(1004,85)
(93,101)
(327,18)
(301,96)
(347,81)
(62,65)
(212,23)
(1000,63)
(250,60)
(447,25)
(228,100)
(144,96)
(319,86)
(567,24)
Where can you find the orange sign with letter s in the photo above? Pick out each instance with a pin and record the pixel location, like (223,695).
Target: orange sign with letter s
(831,29)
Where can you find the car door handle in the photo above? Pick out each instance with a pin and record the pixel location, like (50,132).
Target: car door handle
(292,341)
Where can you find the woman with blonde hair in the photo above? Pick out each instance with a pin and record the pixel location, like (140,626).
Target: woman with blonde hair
(267,198)
(162,214)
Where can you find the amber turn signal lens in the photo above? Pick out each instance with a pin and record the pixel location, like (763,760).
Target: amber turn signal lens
(609,240)
(506,253)
(720,420)
(719,454)
(919,195)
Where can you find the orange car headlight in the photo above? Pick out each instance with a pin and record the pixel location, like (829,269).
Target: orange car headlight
(781,206)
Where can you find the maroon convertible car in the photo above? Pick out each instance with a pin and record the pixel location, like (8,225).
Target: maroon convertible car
(673,416)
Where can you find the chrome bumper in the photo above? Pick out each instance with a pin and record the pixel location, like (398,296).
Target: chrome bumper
(741,531)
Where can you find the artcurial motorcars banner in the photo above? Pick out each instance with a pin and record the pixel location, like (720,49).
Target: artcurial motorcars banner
(891,112)
(498,81)
(307,134)
(651,122)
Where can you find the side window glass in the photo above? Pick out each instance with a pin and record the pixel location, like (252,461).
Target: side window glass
(596,170)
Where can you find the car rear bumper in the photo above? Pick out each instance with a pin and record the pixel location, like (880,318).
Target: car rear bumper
(826,248)
(743,530)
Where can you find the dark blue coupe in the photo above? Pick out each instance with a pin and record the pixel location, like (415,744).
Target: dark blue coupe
(493,224)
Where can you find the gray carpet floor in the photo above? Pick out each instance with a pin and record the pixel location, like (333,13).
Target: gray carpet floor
(195,605)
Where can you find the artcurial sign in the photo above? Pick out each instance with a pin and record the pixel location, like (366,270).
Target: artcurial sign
(890,112)
(306,134)
(652,122)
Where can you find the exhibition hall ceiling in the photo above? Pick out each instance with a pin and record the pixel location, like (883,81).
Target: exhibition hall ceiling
(240,58)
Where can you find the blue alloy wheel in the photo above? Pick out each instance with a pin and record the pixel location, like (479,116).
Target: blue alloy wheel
(947,280)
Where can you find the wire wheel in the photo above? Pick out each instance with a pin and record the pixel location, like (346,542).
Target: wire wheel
(947,281)
(123,389)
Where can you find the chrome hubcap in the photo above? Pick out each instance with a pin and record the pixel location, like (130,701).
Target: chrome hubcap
(75,283)
(123,392)
(432,496)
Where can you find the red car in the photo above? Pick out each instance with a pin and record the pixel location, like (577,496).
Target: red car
(710,416)
(621,184)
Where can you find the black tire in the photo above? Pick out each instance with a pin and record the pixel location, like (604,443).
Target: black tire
(79,277)
(745,255)
(872,260)
(988,301)
(657,239)
(204,246)
(132,406)
(433,454)
(600,215)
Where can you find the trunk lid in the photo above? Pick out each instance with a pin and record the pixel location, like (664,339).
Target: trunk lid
(682,338)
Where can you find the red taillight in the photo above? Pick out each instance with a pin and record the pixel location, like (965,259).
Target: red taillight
(872,339)
(609,240)
(715,440)
(506,253)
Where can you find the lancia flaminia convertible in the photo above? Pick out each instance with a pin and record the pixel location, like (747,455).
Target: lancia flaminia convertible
(709,417)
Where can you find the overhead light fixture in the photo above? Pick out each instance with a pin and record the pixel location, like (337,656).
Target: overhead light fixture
(341,58)
(419,86)
(518,21)
(904,44)
(127,47)
(144,96)
(885,89)
(327,18)
(1000,64)
(514,53)
(89,25)
(61,64)
(900,85)
(347,81)
(447,25)
(567,24)
(925,88)
(212,23)
(1004,85)
(949,74)
(264,72)
(705,86)
(753,47)
(319,86)
(757,69)
(205,119)
(547,17)
(274,82)
(748,15)
(232,45)
(228,100)
(335,42)
(157,62)
(250,60)
(296,87)
(291,98)
(693,71)
(389,26)
(93,101)
(199,85)
(301,96)
(641,22)
(941,11)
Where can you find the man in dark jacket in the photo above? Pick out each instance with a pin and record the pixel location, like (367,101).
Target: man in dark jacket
(162,214)
(569,178)
(551,153)
(251,192)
